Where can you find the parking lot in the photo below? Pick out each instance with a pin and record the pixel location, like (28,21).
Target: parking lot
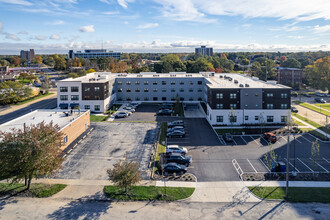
(144,112)
(105,145)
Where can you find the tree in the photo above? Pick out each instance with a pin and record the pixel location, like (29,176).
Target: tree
(315,150)
(124,173)
(171,58)
(256,69)
(291,63)
(60,63)
(270,157)
(319,74)
(73,75)
(16,61)
(37,60)
(30,152)
(4,63)
(90,71)
(245,62)
(13,92)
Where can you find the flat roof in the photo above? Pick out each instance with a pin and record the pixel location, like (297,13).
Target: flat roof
(47,115)
(243,81)
(93,77)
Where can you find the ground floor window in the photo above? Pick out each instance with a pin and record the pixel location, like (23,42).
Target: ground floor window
(219,118)
(256,118)
(163,98)
(65,139)
(232,119)
(155,98)
(284,119)
(96,107)
(146,99)
(87,107)
(137,99)
(181,99)
(246,118)
(270,118)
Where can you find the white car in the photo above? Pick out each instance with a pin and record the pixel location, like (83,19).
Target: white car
(176,149)
(130,109)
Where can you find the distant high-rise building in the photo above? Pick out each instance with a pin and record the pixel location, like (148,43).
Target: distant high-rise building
(204,51)
(88,54)
(27,55)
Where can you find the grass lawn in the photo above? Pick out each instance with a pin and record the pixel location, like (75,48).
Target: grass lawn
(33,98)
(314,107)
(37,189)
(231,131)
(322,128)
(96,118)
(325,106)
(296,194)
(298,123)
(141,193)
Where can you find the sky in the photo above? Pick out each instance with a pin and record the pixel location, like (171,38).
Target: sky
(56,26)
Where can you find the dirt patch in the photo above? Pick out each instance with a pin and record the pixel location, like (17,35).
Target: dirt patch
(282,176)
(185,177)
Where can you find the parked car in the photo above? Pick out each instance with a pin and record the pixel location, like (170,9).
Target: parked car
(121,115)
(176,149)
(176,128)
(167,103)
(294,94)
(165,112)
(227,137)
(176,134)
(174,168)
(136,104)
(165,107)
(294,109)
(129,108)
(175,123)
(320,100)
(320,94)
(270,137)
(178,158)
(307,95)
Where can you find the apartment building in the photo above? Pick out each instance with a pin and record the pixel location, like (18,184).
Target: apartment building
(230,98)
(27,55)
(88,54)
(289,76)
(205,51)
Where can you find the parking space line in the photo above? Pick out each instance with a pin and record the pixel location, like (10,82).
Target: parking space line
(305,165)
(234,141)
(243,139)
(296,139)
(251,165)
(325,159)
(264,165)
(221,140)
(261,138)
(253,139)
(292,165)
(306,139)
(319,165)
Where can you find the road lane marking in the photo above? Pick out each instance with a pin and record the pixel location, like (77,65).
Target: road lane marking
(305,165)
(319,165)
(264,165)
(325,159)
(243,139)
(252,165)
(292,165)
(253,139)
(306,139)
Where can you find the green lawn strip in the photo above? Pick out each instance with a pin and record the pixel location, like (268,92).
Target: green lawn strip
(96,118)
(298,123)
(146,193)
(296,194)
(132,121)
(33,98)
(322,128)
(312,107)
(325,106)
(36,190)
(231,131)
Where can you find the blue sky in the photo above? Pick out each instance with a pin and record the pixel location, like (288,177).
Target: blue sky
(55,26)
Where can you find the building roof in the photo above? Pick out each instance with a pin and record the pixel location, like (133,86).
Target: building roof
(92,77)
(47,115)
(286,68)
(239,81)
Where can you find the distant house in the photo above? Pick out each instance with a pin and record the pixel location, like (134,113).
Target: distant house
(289,76)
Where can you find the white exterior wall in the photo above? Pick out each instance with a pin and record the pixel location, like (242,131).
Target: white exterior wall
(68,93)
(251,113)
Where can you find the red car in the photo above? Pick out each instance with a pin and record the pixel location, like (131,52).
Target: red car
(270,137)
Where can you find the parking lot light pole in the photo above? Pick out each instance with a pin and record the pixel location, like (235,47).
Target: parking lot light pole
(287,163)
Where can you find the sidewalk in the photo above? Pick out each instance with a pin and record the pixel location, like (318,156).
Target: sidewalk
(17,107)
(291,183)
(312,127)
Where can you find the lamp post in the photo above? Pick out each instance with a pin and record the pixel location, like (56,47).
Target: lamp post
(287,162)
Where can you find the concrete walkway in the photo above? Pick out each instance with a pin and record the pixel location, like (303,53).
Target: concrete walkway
(312,127)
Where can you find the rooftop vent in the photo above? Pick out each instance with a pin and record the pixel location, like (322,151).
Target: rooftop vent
(221,76)
(155,75)
(230,79)
(247,85)
(241,85)
(172,75)
(139,75)
(235,81)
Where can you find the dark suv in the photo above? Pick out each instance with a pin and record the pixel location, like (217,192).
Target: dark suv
(174,168)
(177,158)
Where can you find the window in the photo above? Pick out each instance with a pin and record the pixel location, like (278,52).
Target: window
(155,98)
(119,83)
(191,90)
(284,95)
(65,139)
(199,82)
(172,82)
(128,83)
(63,89)
(146,90)
(97,88)
(219,96)
(86,97)
(246,118)
(246,105)
(234,106)
(137,83)
(63,97)
(270,118)
(163,98)
(256,118)
(219,106)
(128,99)
(74,89)
(181,99)
(172,90)
(163,90)
(75,97)
(137,90)
(246,94)
(232,95)
(256,94)
(200,99)
(163,82)
(191,83)
(154,83)
(120,90)
(128,90)
(155,90)
(219,118)
(232,119)
(96,107)
(181,83)
(269,95)
(87,107)
(284,106)
(181,90)
(270,106)
(284,119)
(146,83)
(200,90)
(97,97)
(137,99)
(87,89)
(146,99)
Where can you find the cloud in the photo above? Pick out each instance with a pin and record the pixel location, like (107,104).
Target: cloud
(17,2)
(39,37)
(87,28)
(55,37)
(23,32)
(124,3)
(105,1)
(12,36)
(126,22)
(296,37)
(321,29)
(1,26)
(57,22)
(149,25)
(111,12)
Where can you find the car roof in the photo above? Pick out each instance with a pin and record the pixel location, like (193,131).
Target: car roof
(168,146)
(171,164)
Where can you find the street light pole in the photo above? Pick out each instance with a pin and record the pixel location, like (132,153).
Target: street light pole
(287,163)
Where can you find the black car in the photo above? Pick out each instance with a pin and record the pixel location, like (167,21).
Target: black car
(294,110)
(227,137)
(176,128)
(165,112)
(320,100)
(176,133)
(177,158)
(174,168)
(307,95)
(165,107)
(175,123)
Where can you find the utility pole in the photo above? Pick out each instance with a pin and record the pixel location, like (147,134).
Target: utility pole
(287,162)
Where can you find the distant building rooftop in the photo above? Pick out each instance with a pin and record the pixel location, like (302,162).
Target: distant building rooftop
(60,117)
(286,68)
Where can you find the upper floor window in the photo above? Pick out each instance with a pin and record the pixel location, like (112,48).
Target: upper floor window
(284,95)
(146,90)
(87,89)
(163,82)
(155,90)
(232,95)
(163,90)
(63,97)
(74,89)
(137,83)
(191,90)
(120,90)
(63,89)
(128,83)
(200,90)
(233,106)
(199,82)
(191,83)
(172,90)
(75,97)
(219,106)
(172,82)
(181,90)
(219,96)
(137,90)
(128,90)
(146,83)
(284,106)
(269,95)
(119,83)
(97,88)
(154,83)
(181,83)
(270,106)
